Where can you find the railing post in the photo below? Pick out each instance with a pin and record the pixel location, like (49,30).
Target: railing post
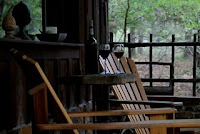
(150,60)
(172,66)
(111,40)
(194,67)
(111,37)
(129,49)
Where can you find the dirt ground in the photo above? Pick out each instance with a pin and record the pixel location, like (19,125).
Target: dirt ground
(182,70)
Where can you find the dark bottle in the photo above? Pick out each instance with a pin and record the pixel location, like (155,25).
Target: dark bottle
(91,52)
(92,40)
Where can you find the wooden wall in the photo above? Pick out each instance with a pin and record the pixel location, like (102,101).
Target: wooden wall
(72,17)
(56,61)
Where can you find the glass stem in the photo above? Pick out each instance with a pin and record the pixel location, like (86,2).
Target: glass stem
(118,64)
(105,66)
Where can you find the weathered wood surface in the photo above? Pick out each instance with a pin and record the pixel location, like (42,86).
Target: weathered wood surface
(40,106)
(181,123)
(14,82)
(42,49)
(173,98)
(35,65)
(13,43)
(37,88)
(148,102)
(155,111)
(93,79)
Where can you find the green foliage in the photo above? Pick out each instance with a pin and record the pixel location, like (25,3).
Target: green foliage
(35,9)
(36,15)
(162,18)
(198,72)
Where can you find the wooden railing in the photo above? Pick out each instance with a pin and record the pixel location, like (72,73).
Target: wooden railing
(168,90)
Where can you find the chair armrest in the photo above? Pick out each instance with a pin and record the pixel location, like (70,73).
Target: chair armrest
(151,111)
(173,98)
(155,124)
(152,103)
(37,88)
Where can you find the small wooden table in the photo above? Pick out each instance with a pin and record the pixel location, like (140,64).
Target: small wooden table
(100,87)
(99,79)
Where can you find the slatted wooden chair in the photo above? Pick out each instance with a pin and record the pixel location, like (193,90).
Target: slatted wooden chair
(132,95)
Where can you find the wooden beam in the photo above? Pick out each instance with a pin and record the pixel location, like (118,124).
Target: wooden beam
(155,44)
(151,102)
(37,88)
(173,98)
(179,123)
(154,111)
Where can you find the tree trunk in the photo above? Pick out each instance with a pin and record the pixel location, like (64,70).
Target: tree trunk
(1,7)
(198,54)
(188,50)
(140,40)
(132,40)
(125,20)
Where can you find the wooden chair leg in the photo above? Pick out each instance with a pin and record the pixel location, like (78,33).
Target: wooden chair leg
(26,130)
(40,108)
(158,130)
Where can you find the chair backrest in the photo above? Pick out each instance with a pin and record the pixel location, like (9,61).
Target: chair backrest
(128,91)
(27,63)
(135,91)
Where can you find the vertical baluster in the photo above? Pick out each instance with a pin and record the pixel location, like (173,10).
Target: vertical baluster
(150,60)
(172,66)
(194,66)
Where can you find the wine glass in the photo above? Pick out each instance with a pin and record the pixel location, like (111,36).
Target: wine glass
(118,50)
(104,50)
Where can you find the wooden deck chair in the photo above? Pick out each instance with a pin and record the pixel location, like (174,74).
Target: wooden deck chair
(132,93)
